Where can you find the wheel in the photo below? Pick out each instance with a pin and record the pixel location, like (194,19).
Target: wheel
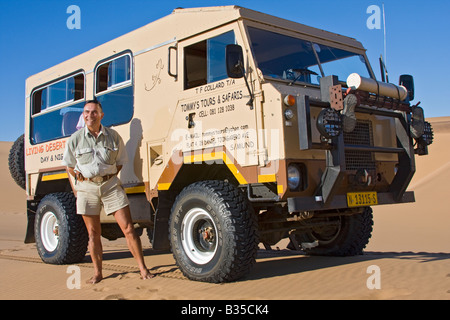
(111,231)
(61,236)
(213,232)
(348,237)
(16,162)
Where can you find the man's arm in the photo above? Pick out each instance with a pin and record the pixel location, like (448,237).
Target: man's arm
(78,176)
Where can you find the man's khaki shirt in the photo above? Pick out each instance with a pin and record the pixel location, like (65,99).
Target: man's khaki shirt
(95,156)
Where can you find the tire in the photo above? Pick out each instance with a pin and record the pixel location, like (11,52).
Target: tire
(111,231)
(16,162)
(349,238)
(213,232)
(61,236)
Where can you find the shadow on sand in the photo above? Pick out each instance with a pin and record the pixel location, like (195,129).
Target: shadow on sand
(284,262)
(275,263)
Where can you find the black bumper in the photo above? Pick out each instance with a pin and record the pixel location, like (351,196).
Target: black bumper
(301,204)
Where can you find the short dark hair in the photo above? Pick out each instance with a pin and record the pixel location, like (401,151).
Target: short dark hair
(95,101)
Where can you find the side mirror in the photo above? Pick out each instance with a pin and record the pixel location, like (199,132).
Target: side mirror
(234,61)
(407,81)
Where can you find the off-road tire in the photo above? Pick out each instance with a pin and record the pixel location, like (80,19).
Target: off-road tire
(233,232)
(354,234)
(72,240)
(16,161)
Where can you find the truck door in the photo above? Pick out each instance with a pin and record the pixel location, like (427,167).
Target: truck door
(214,107)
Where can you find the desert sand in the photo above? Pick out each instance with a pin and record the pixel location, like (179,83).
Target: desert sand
(409,253)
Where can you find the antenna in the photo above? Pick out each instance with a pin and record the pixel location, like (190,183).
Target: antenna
(384,71)
(383,62)
(384,28)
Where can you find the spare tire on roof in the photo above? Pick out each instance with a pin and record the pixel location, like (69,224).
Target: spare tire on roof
(16,161)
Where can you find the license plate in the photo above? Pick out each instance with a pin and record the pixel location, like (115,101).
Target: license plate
(362,199)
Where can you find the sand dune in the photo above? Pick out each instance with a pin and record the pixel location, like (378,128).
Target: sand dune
(410,248)
(423,225)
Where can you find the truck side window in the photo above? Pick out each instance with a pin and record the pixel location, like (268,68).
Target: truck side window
(204,61)
(70,89)
(113,73)
(114,89)
(56,108)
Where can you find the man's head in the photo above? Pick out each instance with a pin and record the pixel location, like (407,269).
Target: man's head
(93,114)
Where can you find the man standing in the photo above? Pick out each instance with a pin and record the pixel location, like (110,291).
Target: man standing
(94,155)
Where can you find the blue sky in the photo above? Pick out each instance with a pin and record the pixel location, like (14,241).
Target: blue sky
(34,36)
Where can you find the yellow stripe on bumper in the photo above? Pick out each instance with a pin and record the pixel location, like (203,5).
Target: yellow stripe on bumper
(55,176)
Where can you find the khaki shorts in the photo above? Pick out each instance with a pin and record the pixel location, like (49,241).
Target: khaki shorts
(92,196)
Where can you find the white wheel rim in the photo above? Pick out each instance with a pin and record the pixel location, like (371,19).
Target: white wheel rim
(199,236)
(49,231)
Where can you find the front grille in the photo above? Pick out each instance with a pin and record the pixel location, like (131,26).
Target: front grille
(363,136)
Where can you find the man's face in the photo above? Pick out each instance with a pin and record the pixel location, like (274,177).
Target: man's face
(92,115)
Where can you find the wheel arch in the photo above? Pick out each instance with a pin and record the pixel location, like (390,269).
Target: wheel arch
(176,177)
(187,175)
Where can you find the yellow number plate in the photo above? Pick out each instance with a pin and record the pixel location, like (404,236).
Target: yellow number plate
(361,199)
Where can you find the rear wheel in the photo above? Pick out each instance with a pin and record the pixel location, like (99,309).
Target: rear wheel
(61,236)
(213,232)
(16,162)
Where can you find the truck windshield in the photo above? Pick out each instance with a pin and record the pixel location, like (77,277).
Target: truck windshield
(288,58)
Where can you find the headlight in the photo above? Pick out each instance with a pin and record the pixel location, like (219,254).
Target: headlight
(329,123)
(288,114)
(294,177)
(417,122)
(428,133)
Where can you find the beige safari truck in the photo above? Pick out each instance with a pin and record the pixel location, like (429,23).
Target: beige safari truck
(241,129)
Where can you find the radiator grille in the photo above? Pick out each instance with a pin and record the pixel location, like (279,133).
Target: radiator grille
(362,135)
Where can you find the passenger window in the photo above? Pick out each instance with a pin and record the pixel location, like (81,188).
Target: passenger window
(67,90)
(114,73)
(56,109)
(205,61)
(114,89)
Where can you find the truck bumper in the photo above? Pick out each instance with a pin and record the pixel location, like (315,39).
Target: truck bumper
(300,204)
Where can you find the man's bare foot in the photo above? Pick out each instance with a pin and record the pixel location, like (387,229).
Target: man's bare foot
(94,279)
(145,274)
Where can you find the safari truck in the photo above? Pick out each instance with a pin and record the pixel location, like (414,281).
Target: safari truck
(242,129)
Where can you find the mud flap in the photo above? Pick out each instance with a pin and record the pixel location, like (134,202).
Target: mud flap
(160,239)
(29,236)
(160,235)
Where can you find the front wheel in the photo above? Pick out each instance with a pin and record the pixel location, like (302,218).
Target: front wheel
(61,236)
(348,236)
(213,232)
